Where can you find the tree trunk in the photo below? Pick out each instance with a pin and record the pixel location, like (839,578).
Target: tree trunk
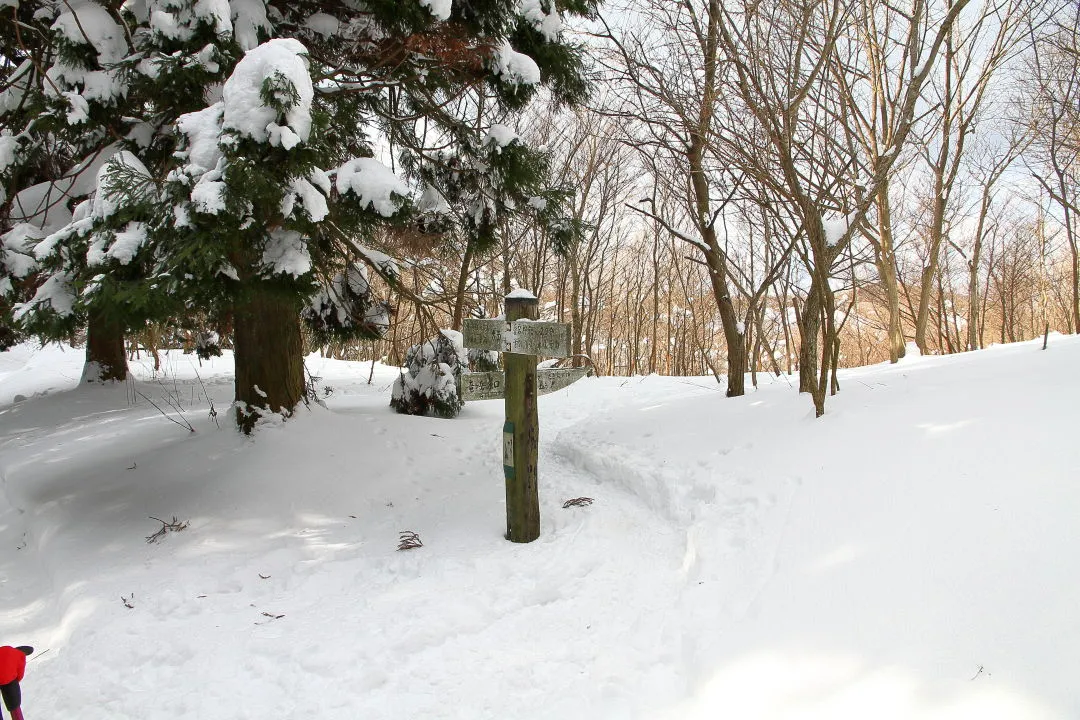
(809,326)
(973,300)
(736,342)
(929,273)
(576,317)
(829,340)
(944,170)
(269,356)
(105,357)
(886,265)
(1075,282)
(459,291)
(699,180)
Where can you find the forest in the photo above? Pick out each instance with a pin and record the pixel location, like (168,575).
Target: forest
(698,187)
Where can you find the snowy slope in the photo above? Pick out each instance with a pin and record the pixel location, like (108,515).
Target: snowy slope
(910,555)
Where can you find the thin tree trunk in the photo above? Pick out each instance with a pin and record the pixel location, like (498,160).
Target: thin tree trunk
(715,257)
(886,265)
(462,284)
(973,296)
(809,327)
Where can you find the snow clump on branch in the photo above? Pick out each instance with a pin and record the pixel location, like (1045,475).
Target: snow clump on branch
(373,183)
(440,9)
(270,80)
(549,24)
(514,67)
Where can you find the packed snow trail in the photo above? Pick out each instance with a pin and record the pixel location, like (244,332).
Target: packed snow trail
(900,557)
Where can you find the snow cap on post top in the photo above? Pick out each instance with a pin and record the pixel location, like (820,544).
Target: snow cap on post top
(521,294)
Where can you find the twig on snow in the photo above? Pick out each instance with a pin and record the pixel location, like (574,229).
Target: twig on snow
(408,540)
(170,418)
(166,527)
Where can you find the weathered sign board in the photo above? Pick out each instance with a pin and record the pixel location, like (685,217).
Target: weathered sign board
(492,385)
(522,337)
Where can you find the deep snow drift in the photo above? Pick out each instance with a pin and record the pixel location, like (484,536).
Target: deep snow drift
(913,554)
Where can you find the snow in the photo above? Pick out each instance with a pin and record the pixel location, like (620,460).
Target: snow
(905,556)
(284,58)
(438,8)
(17,249)
(314,202)
(9,146)
(373,183)
(178,21)
(249,19)
(202,128)
(286,253)
(127,242)
(520,294)
(45,204)
(323,24)
(837,227)
(56,294)
(142,134)
(208,196)
(15,86)
(433,201)
(215,12)
(106,199)
(80,108)
(514,67)
(500,136)
(88,23)
(549,24)
(385,263)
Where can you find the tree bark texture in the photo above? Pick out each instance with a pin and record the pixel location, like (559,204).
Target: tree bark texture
(809,327)
(105,356)
(886,265)
(269,356)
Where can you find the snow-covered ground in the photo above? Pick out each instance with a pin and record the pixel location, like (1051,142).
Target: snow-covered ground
(913,554)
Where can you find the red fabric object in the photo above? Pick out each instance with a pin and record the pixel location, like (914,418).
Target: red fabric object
(16,714)
(12,664)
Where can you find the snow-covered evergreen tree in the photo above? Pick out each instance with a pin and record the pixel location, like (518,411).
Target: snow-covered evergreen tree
(115,82)
(429,383)
(248,146)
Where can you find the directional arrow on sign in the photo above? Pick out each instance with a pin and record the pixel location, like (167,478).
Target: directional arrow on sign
(492,385)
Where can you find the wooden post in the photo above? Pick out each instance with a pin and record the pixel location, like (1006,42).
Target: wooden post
(521,434)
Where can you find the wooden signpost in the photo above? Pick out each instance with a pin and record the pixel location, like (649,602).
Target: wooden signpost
(522,338)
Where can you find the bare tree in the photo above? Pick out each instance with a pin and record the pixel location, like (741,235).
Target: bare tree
(800,76)
(667,73)
(1055,157)
(993,33)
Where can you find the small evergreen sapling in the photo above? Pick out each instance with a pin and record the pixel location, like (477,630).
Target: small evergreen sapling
(432,378)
